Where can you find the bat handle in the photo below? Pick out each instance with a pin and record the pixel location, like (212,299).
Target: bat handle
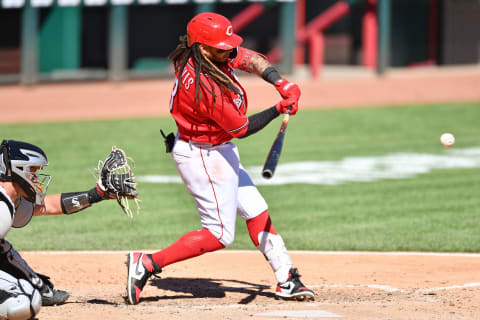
(286,117)
(287,114)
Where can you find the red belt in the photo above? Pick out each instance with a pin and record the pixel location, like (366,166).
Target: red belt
(202,143)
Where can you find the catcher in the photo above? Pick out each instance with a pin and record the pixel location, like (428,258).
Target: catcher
(23,195)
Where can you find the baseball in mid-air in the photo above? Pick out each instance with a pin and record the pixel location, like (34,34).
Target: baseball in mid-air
(447,140)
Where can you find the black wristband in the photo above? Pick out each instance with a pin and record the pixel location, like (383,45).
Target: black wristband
(72,202)
(271,75)
(93,196)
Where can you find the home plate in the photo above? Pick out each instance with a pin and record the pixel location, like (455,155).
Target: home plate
(300,314)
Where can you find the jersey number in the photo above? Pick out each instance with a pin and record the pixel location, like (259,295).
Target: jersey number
(174,92)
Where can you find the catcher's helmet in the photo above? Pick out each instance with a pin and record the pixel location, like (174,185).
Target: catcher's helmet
(213,30)
(18,163)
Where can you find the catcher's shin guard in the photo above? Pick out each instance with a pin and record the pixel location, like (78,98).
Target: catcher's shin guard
(140,267)
(19,300)
(13,263)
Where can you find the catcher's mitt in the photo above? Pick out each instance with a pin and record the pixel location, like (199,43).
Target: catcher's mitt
(115,180)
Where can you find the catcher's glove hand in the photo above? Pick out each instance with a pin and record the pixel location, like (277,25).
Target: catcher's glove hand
(115,180)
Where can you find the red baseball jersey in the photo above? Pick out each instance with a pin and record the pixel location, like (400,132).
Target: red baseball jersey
(208,122)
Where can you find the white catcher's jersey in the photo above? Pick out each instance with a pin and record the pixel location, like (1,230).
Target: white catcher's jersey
(16,214)
(7,211)
(18,298)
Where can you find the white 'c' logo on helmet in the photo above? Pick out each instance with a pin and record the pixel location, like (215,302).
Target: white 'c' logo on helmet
(229,31)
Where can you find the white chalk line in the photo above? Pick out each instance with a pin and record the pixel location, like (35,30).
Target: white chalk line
(283,313)
(340,253)
(387,288)
(467,285)
(208,306)
(380,287)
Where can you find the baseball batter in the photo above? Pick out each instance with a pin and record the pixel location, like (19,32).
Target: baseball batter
(209,106)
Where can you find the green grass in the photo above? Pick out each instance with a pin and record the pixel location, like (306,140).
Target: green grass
(437,211)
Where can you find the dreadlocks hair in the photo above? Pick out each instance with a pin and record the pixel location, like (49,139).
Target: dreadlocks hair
(180,57)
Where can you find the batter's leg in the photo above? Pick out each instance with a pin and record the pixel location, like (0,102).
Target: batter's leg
(142,266)
(253,209)
(211,176)
(271,244)
(190,245)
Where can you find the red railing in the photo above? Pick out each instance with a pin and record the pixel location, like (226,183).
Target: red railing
(312,34)
(246,16)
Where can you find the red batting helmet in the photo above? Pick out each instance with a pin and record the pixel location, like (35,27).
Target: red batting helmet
(213,30)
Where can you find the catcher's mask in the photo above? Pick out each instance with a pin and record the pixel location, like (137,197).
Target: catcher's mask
(213,30)
(19,162)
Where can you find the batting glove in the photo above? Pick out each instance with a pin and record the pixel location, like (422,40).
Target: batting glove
(287,105)
(288,90)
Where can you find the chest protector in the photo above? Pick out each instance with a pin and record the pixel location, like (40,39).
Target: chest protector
(23,213)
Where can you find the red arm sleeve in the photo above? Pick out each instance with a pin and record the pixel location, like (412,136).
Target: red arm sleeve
(242,60)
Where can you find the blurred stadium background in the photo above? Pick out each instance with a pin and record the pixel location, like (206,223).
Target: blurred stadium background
(96,60)
(58,40)
(400,52)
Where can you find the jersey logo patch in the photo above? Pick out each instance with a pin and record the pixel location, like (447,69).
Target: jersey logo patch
(238,102)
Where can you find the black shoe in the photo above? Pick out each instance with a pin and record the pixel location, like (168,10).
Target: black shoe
(51,296)
(294,289)
(140,268)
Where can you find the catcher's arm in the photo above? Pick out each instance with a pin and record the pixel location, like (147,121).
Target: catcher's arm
(115,180)
(63,203)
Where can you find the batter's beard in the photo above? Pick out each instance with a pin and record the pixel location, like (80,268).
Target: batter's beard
(215,61)
(221,63)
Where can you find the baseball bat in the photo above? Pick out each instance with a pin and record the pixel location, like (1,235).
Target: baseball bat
(274,154)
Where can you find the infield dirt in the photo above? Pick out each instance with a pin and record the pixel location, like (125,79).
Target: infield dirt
(240,285)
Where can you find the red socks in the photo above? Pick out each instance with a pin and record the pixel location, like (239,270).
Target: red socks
(198,242)
(261,223)
(190,245)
